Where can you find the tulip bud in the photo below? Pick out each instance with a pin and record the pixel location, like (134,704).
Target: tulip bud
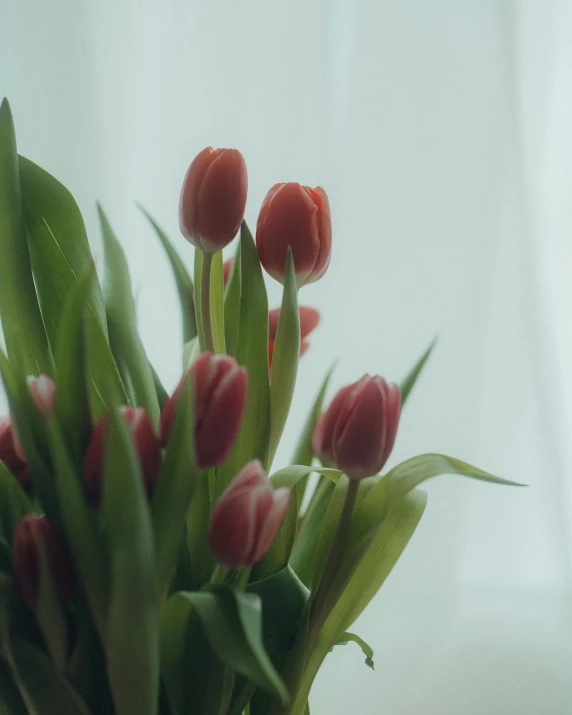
(299,217)
(357,432)
(34,534)
(9,455)
(43,391)
(213,198)
(220,386)
(246,518)
(146,445)
(309,321)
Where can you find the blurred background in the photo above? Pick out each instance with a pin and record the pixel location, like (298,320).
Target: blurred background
(442,132)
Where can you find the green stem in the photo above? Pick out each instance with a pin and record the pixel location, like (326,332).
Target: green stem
(206,302)
(318,614)
(219,574)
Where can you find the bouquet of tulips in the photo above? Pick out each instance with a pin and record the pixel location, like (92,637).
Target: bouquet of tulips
(151,562)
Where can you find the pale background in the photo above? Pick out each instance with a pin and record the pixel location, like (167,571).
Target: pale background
(442,132)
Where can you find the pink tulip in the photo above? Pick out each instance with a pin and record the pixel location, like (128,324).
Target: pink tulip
(146,445)
(213,198)
(299,217)
(43,390)
(246,518)
(357,432)
(309,321)
(9,455)
(220,386)
(34,534)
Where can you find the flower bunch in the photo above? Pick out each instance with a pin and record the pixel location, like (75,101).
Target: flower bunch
(152,561)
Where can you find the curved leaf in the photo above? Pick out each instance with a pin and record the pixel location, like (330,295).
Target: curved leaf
(232,306)
(233,624)
(122,324)
(182,279)
(366,649)
(290,476)
(22,324)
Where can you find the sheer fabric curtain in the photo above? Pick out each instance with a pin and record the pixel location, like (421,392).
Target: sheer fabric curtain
(441,132)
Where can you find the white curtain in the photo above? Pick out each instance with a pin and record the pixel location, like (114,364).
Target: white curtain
(442,132)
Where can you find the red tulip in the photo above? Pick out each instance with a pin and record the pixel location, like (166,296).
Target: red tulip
(43,391)
(309,321)
(213,198)
(35,534)
(9,455)
(220,386)
(299,217)
(246,518)
(146,444)
(357,432)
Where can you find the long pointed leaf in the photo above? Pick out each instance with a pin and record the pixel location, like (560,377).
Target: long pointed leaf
(411,378)
(232,306)
(19,309)
(122,323)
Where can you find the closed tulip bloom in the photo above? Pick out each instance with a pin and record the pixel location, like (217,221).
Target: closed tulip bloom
(147,447)
(296,216)
(357,432)
(220,386)
(246,518)
(43,391)
(33,535)
(8,455)
(309,321)
(213,198)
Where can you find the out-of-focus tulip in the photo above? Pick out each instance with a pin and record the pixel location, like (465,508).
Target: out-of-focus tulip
(213,198)
(8,454)
(246,518)
(146,445)
(357,431)
(299,217)
(34,534)
(220,387)
(43,391)
(309,321)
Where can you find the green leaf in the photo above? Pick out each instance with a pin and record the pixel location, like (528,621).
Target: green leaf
(408,383)
(132,632)
(198,315)
(40,683)
(289,477)
(252,353)
(51,617)
(217,302)
(81,529)
(10,701)
(14,504)
(191,352)
(176,484)
(367,650)
(122,323)
(162,394)
(232,306)
(22,323)
(182,279)
(285,358)
(198,524)
(72,397)
(233,624)
(304,453)
(103,375)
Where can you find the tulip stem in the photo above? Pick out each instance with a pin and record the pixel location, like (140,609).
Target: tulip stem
(219,574)
(206,302)
(317,614)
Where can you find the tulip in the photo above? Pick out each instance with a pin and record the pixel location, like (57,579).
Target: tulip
(357,432)
(309,321)
(34,535)
(9,455)
(246,518)
(220,386)
(299,217)
(146,445)
(43,391)
(213,199)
